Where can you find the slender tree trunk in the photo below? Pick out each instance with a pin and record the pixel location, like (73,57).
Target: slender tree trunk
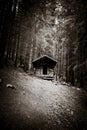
(18,17)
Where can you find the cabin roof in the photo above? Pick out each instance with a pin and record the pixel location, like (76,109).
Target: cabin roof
(44,60)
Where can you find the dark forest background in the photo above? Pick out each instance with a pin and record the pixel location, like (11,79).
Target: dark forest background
(57,28)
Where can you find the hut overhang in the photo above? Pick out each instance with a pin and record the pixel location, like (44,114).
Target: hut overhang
(44,61)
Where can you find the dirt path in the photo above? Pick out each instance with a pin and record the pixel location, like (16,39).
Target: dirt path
(40,104)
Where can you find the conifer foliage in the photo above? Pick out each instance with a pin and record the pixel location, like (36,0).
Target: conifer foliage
(31,28)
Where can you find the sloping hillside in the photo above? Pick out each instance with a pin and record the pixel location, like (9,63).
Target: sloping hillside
(34,103)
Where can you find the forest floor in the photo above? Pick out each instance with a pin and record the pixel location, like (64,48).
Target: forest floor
(37,104)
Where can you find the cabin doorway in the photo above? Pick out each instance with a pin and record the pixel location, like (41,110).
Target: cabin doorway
(45,70)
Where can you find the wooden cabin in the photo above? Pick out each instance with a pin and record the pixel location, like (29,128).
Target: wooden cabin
(44,66)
